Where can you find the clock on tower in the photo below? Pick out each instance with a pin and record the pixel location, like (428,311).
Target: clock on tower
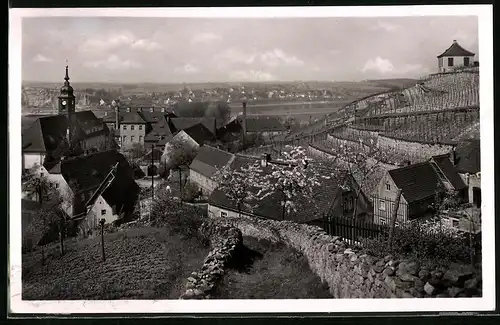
(66,98)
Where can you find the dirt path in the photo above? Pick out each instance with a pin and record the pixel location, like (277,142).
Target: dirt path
(269,271)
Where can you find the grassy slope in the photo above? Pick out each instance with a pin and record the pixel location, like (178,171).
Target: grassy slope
(142,263)
(270,271)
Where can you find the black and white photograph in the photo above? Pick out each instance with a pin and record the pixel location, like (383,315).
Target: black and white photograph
(299,158)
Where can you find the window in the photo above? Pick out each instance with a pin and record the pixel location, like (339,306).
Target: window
(466,62)
(454,223)
(382,205)
(41,174)
(103,212)
(124,139)
(223,214)
(382,221)
(132,138)
(450,62)
(140,127)
(132,127)
(140,138)
(124,126)
(82,196)
(387,187)
(57,185)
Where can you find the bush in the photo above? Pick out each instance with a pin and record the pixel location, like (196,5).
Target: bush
(190,192)
(424,240)
(170,213)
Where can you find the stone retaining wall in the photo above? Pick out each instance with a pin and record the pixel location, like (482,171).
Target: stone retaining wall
(413,147)
(352,274)
(225,241)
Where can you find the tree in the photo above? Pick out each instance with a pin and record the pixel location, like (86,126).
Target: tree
(178,153)
(360,162)
(220,111)
(190,109)
(239,184)
(288,176)
(51,215)
(135,152)
(290,122)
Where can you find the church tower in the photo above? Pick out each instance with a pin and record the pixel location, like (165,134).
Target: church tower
(66,105)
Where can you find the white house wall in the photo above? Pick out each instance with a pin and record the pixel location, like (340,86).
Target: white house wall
(101,210)
(32,159)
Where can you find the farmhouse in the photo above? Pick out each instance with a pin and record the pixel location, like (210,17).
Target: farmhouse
(454,57)
(80,181)
(205,165)
(419,184)
(335,197)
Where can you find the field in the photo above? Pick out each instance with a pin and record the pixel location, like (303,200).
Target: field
(270,271)
(141,263)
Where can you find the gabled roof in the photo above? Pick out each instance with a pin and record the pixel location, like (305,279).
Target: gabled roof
(199,133)
(45,134)
(270,207)
(443,162)
(89,123)
(209,160)
(131,118)
(156,153)
(160,129)
(181,123)
(84,174)
(468,156)
(456,50)
(417,182)
(155,117)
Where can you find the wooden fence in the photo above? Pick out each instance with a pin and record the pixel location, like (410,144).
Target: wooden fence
(352,230)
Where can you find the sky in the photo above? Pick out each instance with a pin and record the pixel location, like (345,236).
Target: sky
(184,50)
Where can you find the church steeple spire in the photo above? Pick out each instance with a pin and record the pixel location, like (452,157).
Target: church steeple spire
(67,75)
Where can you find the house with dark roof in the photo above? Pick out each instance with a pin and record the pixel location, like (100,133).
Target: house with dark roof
(419,184)
(47,133)
(206,163)
(88,196)
(443,165)
(334,197)
(269,127)
(455,57)
(135,125)
(467,161)
(178,124)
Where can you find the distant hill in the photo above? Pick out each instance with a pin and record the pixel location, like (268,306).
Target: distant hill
(394,83)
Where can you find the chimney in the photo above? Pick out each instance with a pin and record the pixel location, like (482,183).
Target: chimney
(264,159)
(454,156)
(117,118)
(244,124)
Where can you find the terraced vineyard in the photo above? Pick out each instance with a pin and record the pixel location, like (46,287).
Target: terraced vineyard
(141,263)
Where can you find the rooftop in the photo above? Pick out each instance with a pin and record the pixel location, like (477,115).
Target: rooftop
(456,50)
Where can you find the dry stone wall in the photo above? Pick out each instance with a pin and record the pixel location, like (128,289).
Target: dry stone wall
(350,273)
(225,241)
(413,148)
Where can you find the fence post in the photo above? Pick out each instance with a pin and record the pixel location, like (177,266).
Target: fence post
(394,217)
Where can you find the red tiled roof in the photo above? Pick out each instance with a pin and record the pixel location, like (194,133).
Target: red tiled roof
(456,50)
